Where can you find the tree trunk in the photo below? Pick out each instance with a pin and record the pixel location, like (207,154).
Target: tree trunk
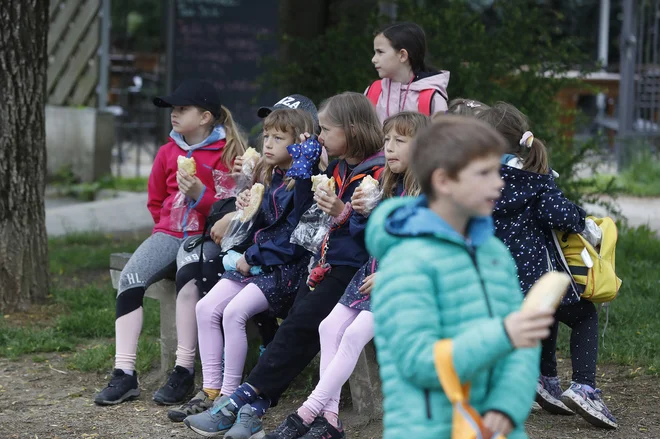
(23,241)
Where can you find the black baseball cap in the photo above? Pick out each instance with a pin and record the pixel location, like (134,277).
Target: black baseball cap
(299,102)
(192,92)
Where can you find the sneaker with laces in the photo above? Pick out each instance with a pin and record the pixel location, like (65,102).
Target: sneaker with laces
(322,429)
(293,427)
(122,387)
(247,425)
(200,403)
(216,421)
(179,385)
(587,402)
(548,396)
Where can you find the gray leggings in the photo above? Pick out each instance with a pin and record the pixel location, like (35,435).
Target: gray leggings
(153,260)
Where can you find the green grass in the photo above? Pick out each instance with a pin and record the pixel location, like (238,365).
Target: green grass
(633,332)
(640,179)
(83,301)
(79,318)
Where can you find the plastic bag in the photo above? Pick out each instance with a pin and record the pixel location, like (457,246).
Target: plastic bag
(311,229)
(244,179)
(225,186)
(183,218)
(592,233)
(237,232)
(230,259)
(371,196)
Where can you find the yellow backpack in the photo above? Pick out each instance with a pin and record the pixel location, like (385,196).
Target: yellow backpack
(598,283)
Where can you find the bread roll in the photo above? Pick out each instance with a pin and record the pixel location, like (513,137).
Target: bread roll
(322,181)
(251,154)
(369,183)
(256,195)
(187,164)
(547,292)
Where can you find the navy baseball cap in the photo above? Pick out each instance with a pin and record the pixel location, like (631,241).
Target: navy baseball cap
(192,92)
(299,102)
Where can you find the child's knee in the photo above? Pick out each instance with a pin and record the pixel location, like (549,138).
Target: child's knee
(203,308)
(327,328)
(234,315)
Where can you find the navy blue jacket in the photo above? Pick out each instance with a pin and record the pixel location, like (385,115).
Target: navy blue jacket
(346,244)
(530,208)
(278,216)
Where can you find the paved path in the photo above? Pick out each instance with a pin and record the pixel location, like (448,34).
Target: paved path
(125,213)
(129,213)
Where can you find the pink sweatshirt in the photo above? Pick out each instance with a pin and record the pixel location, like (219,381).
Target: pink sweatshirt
(395,94)
(163,188)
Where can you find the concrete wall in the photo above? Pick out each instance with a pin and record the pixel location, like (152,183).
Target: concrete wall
(79,138)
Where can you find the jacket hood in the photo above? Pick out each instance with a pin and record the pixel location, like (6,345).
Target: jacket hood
(398,218)
(216,135)
(521,188)
(426,80)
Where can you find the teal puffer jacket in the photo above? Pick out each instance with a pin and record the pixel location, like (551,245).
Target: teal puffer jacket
(434,284)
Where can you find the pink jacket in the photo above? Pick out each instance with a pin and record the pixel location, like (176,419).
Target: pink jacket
(189,218)
(395,94)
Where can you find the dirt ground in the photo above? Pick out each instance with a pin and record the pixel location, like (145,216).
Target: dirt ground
(44,400)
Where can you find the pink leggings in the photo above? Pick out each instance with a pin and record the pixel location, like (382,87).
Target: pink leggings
(344,333)
(230,304)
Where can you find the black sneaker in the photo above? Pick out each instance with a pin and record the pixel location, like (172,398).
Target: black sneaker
(292,428)
(122,387)
(321,429)
(179,385)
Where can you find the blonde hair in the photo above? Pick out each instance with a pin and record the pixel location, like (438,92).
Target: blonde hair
(407,123)
(292,122)
(236,141)
(512,124)
(353,113)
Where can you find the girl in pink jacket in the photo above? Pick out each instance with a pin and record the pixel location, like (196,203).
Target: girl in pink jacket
(179,203)
(407,83)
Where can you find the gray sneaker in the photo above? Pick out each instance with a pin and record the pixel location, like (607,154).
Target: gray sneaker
(200,403)
(216,421)
(247,426)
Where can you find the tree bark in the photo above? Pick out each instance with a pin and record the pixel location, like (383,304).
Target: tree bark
(23,240)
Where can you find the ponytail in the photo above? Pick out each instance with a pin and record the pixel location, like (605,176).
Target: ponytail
(536,159)
(236,143)
(514,126)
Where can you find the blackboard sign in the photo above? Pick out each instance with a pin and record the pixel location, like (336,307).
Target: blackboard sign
(225,42)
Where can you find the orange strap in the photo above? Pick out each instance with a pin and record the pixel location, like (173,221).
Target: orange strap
(444,366)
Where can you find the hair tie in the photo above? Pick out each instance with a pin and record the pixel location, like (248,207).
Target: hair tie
(472,104)
(527,139)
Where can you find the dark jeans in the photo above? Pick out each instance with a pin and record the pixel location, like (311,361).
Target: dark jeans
(582,318)
(296,342)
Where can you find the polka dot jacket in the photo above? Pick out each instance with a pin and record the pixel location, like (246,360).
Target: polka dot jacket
(531,207)
(284,264)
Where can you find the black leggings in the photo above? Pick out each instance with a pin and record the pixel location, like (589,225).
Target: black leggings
(582,318)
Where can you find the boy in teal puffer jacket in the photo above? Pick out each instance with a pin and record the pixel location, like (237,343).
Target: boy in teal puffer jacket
(444,275)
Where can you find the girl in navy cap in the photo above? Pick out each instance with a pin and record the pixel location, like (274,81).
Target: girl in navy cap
(179,202)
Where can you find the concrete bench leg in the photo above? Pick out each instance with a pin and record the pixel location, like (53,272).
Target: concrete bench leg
(165,292)
(365,385)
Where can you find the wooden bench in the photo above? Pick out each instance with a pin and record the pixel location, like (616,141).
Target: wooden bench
(364,382)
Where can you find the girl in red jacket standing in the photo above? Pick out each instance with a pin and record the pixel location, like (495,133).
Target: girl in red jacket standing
(179,203)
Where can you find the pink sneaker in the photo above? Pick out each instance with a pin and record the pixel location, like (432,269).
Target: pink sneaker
(548,396)
(586,402)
